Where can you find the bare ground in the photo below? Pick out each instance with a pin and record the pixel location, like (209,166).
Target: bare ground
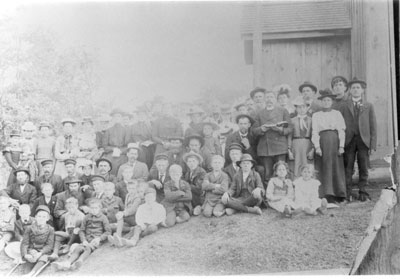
(239,244)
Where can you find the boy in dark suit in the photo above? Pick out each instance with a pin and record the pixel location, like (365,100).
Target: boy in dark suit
(361,136)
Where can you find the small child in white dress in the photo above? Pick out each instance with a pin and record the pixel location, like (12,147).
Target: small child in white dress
(280,195)
(307,192)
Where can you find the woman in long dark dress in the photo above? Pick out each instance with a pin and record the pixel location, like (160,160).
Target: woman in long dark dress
(328,136)
(12,153)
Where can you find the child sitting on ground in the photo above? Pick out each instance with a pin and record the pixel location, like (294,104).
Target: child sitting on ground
(149,216)
(195,176)
(215,184)
(25,220)
(46,199)
(7,222)
(178,196)
(111,205)
(72,222)
(93,231)
(38,240)
(280,192)
(306,192)
(126,219)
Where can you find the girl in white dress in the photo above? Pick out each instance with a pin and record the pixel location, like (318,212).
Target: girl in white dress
(280,194)
(306,192)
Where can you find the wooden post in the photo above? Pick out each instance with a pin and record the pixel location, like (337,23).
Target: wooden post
(379,251)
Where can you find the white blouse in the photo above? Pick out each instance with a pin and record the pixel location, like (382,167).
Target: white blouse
(331,120)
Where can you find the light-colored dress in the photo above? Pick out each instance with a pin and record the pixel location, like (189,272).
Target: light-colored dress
(283,189)
(306,193)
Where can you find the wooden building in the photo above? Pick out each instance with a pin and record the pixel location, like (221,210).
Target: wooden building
(294,41)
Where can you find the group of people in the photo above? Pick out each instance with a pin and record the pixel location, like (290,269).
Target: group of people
(121,182)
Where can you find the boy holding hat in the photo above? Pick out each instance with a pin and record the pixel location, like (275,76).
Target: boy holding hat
(38,240)
(361,136)
(140,170)
(66,146)
(49,177)
(195,176)
(215,184)
(22,191)
(246,191)
(158,176)
(149,216)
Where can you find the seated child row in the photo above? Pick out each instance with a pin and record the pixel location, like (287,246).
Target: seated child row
(141,214)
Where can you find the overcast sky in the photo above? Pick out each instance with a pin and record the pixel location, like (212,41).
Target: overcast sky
(173,49)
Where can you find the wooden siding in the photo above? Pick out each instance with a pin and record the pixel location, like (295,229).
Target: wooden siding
(315,60)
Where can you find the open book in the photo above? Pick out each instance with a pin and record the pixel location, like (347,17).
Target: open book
(283,124)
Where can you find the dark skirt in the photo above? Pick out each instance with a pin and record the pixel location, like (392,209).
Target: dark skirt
(330,166)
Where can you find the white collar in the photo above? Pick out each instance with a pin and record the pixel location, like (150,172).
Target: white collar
(356,100)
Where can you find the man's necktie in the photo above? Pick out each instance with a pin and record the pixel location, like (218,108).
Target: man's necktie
(161,178)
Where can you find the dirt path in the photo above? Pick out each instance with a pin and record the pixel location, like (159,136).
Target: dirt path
(239,244)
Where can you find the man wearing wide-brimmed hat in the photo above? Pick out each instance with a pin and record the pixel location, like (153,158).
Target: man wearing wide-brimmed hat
(66,146)
(361,136)
(258,97)
(115,142)
(246,191)
(104,168)
(308,91)
(22,191)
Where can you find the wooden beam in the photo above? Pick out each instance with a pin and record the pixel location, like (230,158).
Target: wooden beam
(299,35)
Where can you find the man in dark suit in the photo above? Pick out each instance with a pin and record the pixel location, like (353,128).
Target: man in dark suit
(361,136)
(272,139)
(159,175)
(22,191)
(244,137)
(308,92)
